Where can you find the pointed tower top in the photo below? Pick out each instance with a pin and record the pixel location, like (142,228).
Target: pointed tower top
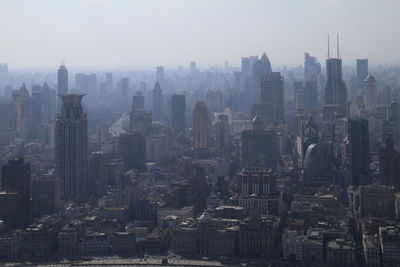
(328,47)
(264,58)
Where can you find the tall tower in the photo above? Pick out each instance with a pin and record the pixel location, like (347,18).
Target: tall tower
(370,94)
(362,72)
(178,105)
(62,83)
(200,125)
(272,103)
(72,148)
(157,102)
(335,88)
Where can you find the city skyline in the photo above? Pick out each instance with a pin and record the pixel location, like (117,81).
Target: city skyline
(134,34)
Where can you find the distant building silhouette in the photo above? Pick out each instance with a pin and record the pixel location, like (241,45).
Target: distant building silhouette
(178,106)
(389,164)
(46,195)
(132,149)
(272,99)
(361,72)
(157,103)
(62,84)
(200,126)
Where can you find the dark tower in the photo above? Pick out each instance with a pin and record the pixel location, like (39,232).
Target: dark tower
(72,148)
(178,105)
(359,157)
(17,179)
(62,83)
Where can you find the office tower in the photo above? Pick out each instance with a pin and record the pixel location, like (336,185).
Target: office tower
(298,89)
(200,126)
(311,96)
(124,92)
(246,67)
(86,83)
(72,148)
(261,67)
(307,135)
(138,101)
(193,69)
(22,112)
(140,121)
(49,99)
(16,178)
(312,68)
(132,149)
(259,146)
(6,109)
(272,102)
(259,181)
(37,105)
(362,72)
(318,165)
(178,106)
(377,201)
(335,90)
(109,82)
(359,157)
(157,102)
(62,84)
(222,134)
(389,164)
(160,74)
(46,195)
(370,94)
(97,173)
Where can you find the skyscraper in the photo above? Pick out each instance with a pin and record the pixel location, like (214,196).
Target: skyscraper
(311,95)
(109,82)
(157,102)
(46,195)
(259,146)
(98,173)
(16,178)
(362,72)
(62,83)
(132,149)
(178,106)
(370,94)
(312,68)
(272,104)
(72,148)
(335,90)
(22,112)
(200,126)
(359,157)
(389,164)
(160,74)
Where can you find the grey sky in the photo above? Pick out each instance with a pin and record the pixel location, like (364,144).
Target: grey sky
(136,33)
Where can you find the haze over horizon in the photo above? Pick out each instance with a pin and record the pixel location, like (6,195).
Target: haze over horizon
(118,33)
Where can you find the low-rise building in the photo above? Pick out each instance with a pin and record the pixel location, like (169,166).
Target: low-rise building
(340,252)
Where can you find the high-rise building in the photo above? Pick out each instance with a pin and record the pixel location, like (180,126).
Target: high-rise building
(138,101)
(132,149)
(62,84)
(97,173)
(160,74)
(370,94)
(311,96)
(377,201)
(335,90)
(72,148)
(16,178)
(259,146)
(22,112)
(389,164)
(358,152)
(200,126)
(141,121)
(46,195)
(157,102)
(178,106)
(259,181)
(86,83)
(361,72)
(312,68)
(3,76)
(123,88)
(272,102)
(222,134)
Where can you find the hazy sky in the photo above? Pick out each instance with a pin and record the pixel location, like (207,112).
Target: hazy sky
(135,33)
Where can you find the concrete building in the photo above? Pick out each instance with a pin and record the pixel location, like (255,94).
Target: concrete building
(200,126)
(340,252)
(292,245)
(178,106)
(46,195)
(157,103)
(389,238)
(377,201)
(62,84)
(272,100)
(72,148)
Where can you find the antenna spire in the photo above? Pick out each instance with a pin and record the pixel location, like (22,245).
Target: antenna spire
(328,47)
(337,45)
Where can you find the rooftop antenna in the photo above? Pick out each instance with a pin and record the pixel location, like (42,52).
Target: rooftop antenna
(328,47)
(337,45)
